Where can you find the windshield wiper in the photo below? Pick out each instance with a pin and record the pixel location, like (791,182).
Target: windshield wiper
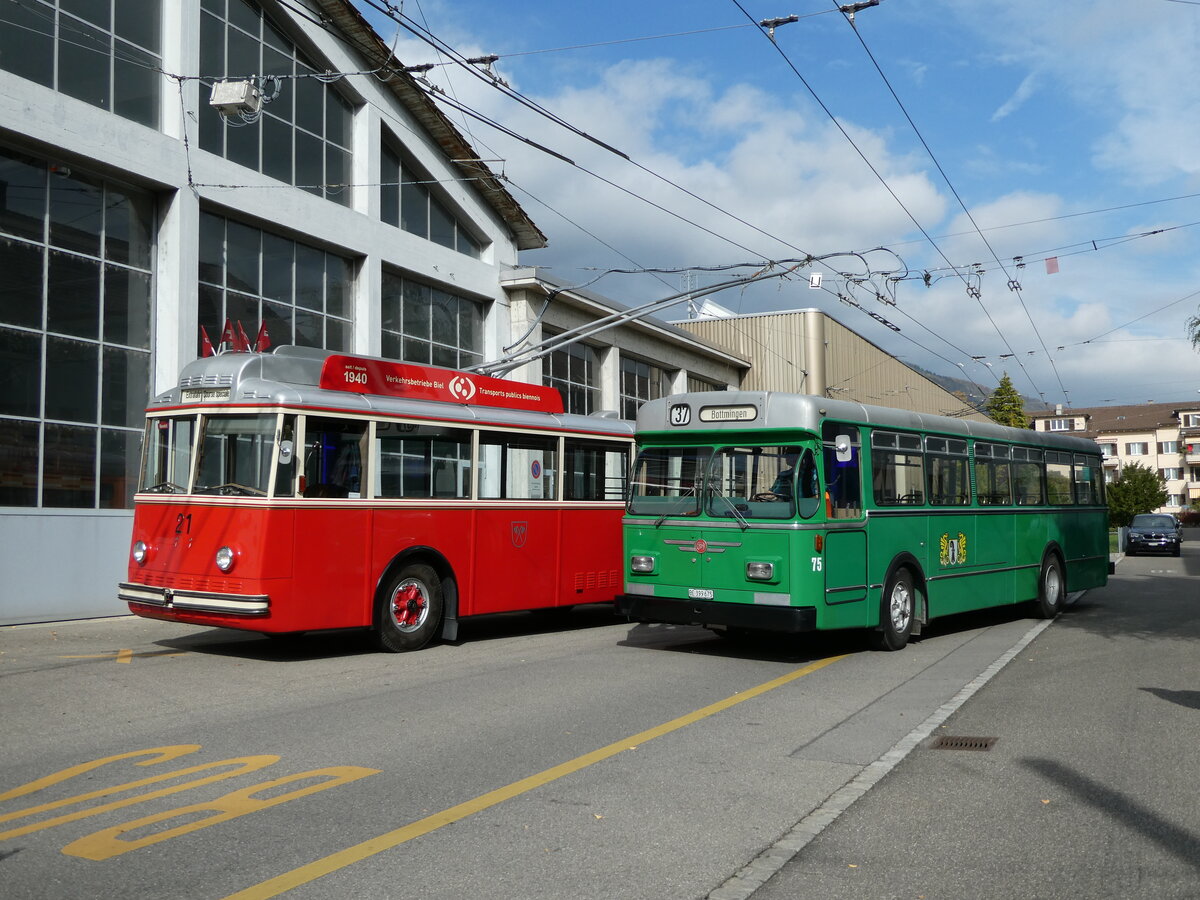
(732,507)
(231,489)
(678,510)
(164,487)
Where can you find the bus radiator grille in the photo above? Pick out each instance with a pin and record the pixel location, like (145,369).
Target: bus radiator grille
(195,583)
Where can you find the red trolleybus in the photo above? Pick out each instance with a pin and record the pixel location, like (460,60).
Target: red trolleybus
(790,513)
(303,490)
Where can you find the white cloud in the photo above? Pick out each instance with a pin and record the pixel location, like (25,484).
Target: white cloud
(1023,92)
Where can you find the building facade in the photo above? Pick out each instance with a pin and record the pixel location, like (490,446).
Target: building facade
(1162,437)
(332,206)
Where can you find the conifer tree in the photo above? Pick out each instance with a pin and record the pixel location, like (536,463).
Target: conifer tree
(1006,406)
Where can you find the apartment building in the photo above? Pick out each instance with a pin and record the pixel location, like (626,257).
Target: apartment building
(1164,437)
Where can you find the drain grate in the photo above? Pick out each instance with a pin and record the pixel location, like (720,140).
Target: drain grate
(952,742)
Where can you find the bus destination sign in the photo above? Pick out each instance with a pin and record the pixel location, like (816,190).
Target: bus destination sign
(392,379)
(728,414)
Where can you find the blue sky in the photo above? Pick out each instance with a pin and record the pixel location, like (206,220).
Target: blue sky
(1017,132)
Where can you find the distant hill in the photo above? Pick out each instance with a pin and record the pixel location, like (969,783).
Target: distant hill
(972,391)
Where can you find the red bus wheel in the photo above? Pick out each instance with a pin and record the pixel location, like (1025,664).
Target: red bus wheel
(410,610)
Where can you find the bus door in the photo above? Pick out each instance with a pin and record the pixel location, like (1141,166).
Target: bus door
(845,552)
(517,552)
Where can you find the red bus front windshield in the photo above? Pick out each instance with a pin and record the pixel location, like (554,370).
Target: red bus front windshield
(233,457)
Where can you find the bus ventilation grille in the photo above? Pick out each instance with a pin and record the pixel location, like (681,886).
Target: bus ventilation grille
(952,742)
(199,381)
(585,581)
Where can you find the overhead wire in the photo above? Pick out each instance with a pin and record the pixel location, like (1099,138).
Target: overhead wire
(1013,284)
(883,181)
(330,76)
(388,9)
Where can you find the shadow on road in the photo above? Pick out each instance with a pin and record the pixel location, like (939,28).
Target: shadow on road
(332,644)
(1139,819)
(1190,699)
(802,647)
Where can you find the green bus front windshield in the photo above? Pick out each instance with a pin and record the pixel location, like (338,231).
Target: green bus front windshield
(739,482)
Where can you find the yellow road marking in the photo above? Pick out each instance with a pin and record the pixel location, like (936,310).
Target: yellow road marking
(125,656)
(312,871)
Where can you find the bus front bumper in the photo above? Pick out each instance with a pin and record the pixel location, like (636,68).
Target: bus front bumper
(174,599)
(782,619)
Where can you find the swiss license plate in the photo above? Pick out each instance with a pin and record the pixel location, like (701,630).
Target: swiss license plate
(700,594)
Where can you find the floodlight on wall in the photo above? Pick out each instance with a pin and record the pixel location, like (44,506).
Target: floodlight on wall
(236,98)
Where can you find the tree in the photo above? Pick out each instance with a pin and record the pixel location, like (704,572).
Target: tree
(1006,406)
(1138,490)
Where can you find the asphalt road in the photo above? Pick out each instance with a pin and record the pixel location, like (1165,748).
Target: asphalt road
(586,758)
(1089,791)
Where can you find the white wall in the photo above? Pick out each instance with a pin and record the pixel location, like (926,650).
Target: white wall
(62,564)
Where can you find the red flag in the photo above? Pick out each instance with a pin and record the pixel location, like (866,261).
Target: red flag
(227,333)
(263,341)
(206,347)
(241,343)
(1051,265)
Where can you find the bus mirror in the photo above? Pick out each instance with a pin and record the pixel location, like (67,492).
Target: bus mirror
(286,449)
(841,445)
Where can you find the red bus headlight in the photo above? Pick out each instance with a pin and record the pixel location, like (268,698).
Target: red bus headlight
(140,552)
(225,559)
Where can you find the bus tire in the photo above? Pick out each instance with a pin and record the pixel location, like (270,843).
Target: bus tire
(1051,588)
(410,609)
(898,608)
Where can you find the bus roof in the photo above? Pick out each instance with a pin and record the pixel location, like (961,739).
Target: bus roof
(739,411)
(292,376)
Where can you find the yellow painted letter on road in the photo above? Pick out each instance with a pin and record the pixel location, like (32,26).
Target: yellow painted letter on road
(157,754)
(110,842)
(241,765)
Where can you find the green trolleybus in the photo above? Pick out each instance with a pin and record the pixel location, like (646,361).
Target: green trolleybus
(790,513)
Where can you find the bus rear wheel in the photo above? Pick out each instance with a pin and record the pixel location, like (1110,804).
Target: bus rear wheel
(1051,589)
(410,609)
(896,612)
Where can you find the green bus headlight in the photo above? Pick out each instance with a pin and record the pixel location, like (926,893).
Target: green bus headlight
(760,571)
(643,564)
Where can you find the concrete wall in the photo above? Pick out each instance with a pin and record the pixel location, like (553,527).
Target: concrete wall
(62,564)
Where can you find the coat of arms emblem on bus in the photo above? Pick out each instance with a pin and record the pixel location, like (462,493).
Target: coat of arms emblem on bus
(953,549)
(520,533)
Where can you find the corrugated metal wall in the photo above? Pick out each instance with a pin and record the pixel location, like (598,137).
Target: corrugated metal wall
(855,369)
